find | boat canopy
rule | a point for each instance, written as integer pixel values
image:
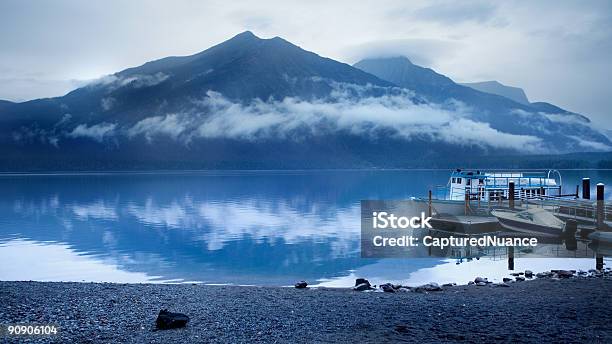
(495, 185)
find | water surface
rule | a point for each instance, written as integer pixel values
(247, 228)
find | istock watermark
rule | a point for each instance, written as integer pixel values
(385, 220)
(402, 229)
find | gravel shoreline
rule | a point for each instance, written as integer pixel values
(574, 310)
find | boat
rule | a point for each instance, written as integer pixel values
(601, 237)
(535, 221)
(468, 190)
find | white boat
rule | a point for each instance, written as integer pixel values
(486, 189)
(535, 221)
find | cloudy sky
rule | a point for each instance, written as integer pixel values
(558, 51)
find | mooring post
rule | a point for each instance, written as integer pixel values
(571, 227)
(510, 257)
(600, 206)
(599, 262)
(429, 203)
(511, 195)
(586, 188)
(577, 190)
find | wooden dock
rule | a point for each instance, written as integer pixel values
(466, 223)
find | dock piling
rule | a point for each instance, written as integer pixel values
(577, 190)
(586, 188)
(599, 262)
(429, 205)
(571, 227)
(511, 195)
(510, 257)
(600, 206)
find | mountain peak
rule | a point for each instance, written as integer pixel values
(400, 71)
(495, 87)
(245, 35)
(398, 60)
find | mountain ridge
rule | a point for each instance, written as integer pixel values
(266, 103)
(495, 87)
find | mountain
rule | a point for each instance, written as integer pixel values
(253, 103)
(242, 68)
(494, 87)
(518, 95)
(558, 127)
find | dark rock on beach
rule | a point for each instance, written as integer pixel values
(362, 284)
(168, 320)
(359, 281)
(301, 285)
(480, 280)
(564, 273)
(432, 286)
(363, 287)
(387, 288)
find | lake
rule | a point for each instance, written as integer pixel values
(227, 227)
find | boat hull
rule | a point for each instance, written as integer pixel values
(549, 226)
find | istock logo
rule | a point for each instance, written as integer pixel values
(384, 220)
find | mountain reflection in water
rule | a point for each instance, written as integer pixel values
(263, 228)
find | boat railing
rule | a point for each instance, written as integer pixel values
(562, 205)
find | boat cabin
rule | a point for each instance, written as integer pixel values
(494, 186)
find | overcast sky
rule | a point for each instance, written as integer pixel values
(557, 51)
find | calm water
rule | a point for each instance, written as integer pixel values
(262, 228)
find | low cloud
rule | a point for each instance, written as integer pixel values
(97, 132)
(107, 103)
(567, 118)
(294, 118)
(171, 125)
(591, 145)
(116, 81)
(453, 12)
(422, 52)
(349, 109)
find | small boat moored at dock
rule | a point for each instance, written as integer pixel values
(601, 237)
(536, 221)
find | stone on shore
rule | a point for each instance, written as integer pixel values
(169, 320)
(362, 287)
(565, 273)
(432, 286)
(359, 281)
(387, 288)
(301, 285)
(480, 280)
